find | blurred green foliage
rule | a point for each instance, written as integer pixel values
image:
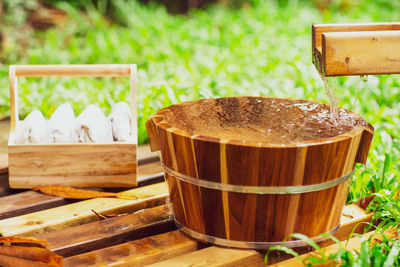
(262, 48)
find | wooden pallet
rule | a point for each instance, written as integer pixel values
(146, 236)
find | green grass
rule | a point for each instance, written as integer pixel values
(260, 49)
(380, 249)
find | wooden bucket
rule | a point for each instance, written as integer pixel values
(252, 194)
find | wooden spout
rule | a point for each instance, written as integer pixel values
(365, 143)
(152, 134)
(356, 49)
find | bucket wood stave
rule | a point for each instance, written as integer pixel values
(253, 195)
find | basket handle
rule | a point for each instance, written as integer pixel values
(16, 71)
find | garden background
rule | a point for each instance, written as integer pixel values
(199, 49)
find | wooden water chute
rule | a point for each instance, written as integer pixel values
(72, 164)
(253, 195)
(356, 49)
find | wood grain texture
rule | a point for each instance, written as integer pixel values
(80, 212)
(137, 253)
(145, 155)
(109, 232)
(149, 172)
(319, 29)
(4, 132)
(72, 70)
(215, 256)
(356, 49)
(8, 261)
(27, 202)
(361, 53)
(80, 165)
(257, 217)
(352, 216)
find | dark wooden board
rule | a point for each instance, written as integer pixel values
(137, 253)
(109, 232)
(27, 202)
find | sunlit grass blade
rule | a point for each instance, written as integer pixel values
(393, 256)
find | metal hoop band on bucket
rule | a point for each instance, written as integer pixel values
(258, 189)
(248, 244)
(253, 190)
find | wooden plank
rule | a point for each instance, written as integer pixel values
(216, 256)
(145, 155)
(80, 212)
(361, 53)
(109, 232)
(137, 253)
(26, 202)
(150, 171)
(318, 29)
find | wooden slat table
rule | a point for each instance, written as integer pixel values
(145, 236)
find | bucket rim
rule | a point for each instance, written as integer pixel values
(159, 121)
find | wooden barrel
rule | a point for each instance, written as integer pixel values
(240, 193)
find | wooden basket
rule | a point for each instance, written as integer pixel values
(253, 195)
(75, 164)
